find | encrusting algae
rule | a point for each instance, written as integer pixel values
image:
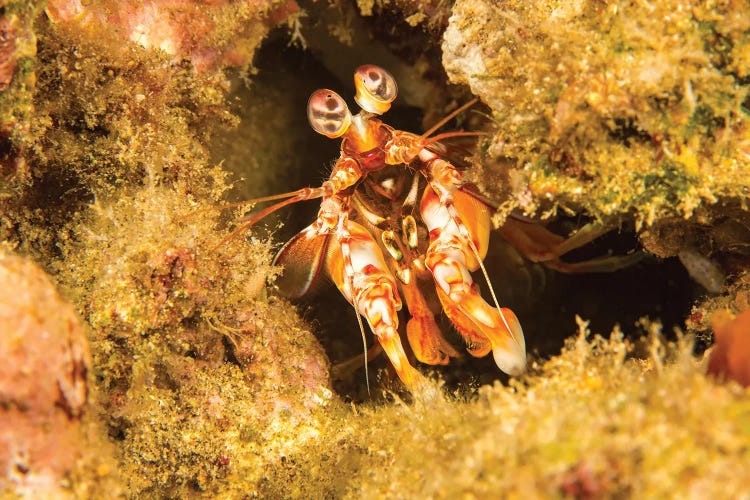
(592, 422)
(201, 383)
(623, 109)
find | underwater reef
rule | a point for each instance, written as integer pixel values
(146, 353)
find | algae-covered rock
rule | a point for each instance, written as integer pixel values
(18, 47)
(622, 110)
(119, 202)
(210, 35)
(593, 422)
(199, 369)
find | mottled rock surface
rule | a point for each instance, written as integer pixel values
(43, 387)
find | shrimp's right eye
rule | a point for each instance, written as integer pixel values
(328, 113)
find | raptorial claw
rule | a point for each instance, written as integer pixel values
(481, 324)
(450, 259)
(356, 265)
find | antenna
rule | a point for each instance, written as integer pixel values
(448, 118)
(347, 257)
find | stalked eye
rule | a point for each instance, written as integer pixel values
(376, 88)
(328, 113)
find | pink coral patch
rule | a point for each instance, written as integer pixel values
(731, 355)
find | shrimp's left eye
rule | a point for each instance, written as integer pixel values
(328, 113)
(376, 88)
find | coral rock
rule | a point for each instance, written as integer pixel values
(43, 388)
(209, 34)
(8, 62)
(589, 114)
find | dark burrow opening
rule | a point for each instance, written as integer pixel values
(274, 150)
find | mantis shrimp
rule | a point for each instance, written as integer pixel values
(398, 223)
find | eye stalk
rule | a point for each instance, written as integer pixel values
(376, 88)
(328, 113)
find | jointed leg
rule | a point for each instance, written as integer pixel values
(455, 250)
(480, 323)
(425, 337)
(356, 264)
(538, 244)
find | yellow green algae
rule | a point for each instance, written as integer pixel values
(735, 300)
(432, 14)
(622, 109)
(18, 78)
(118, 202)
(209, 386)
(592, 422)
(204, 375)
